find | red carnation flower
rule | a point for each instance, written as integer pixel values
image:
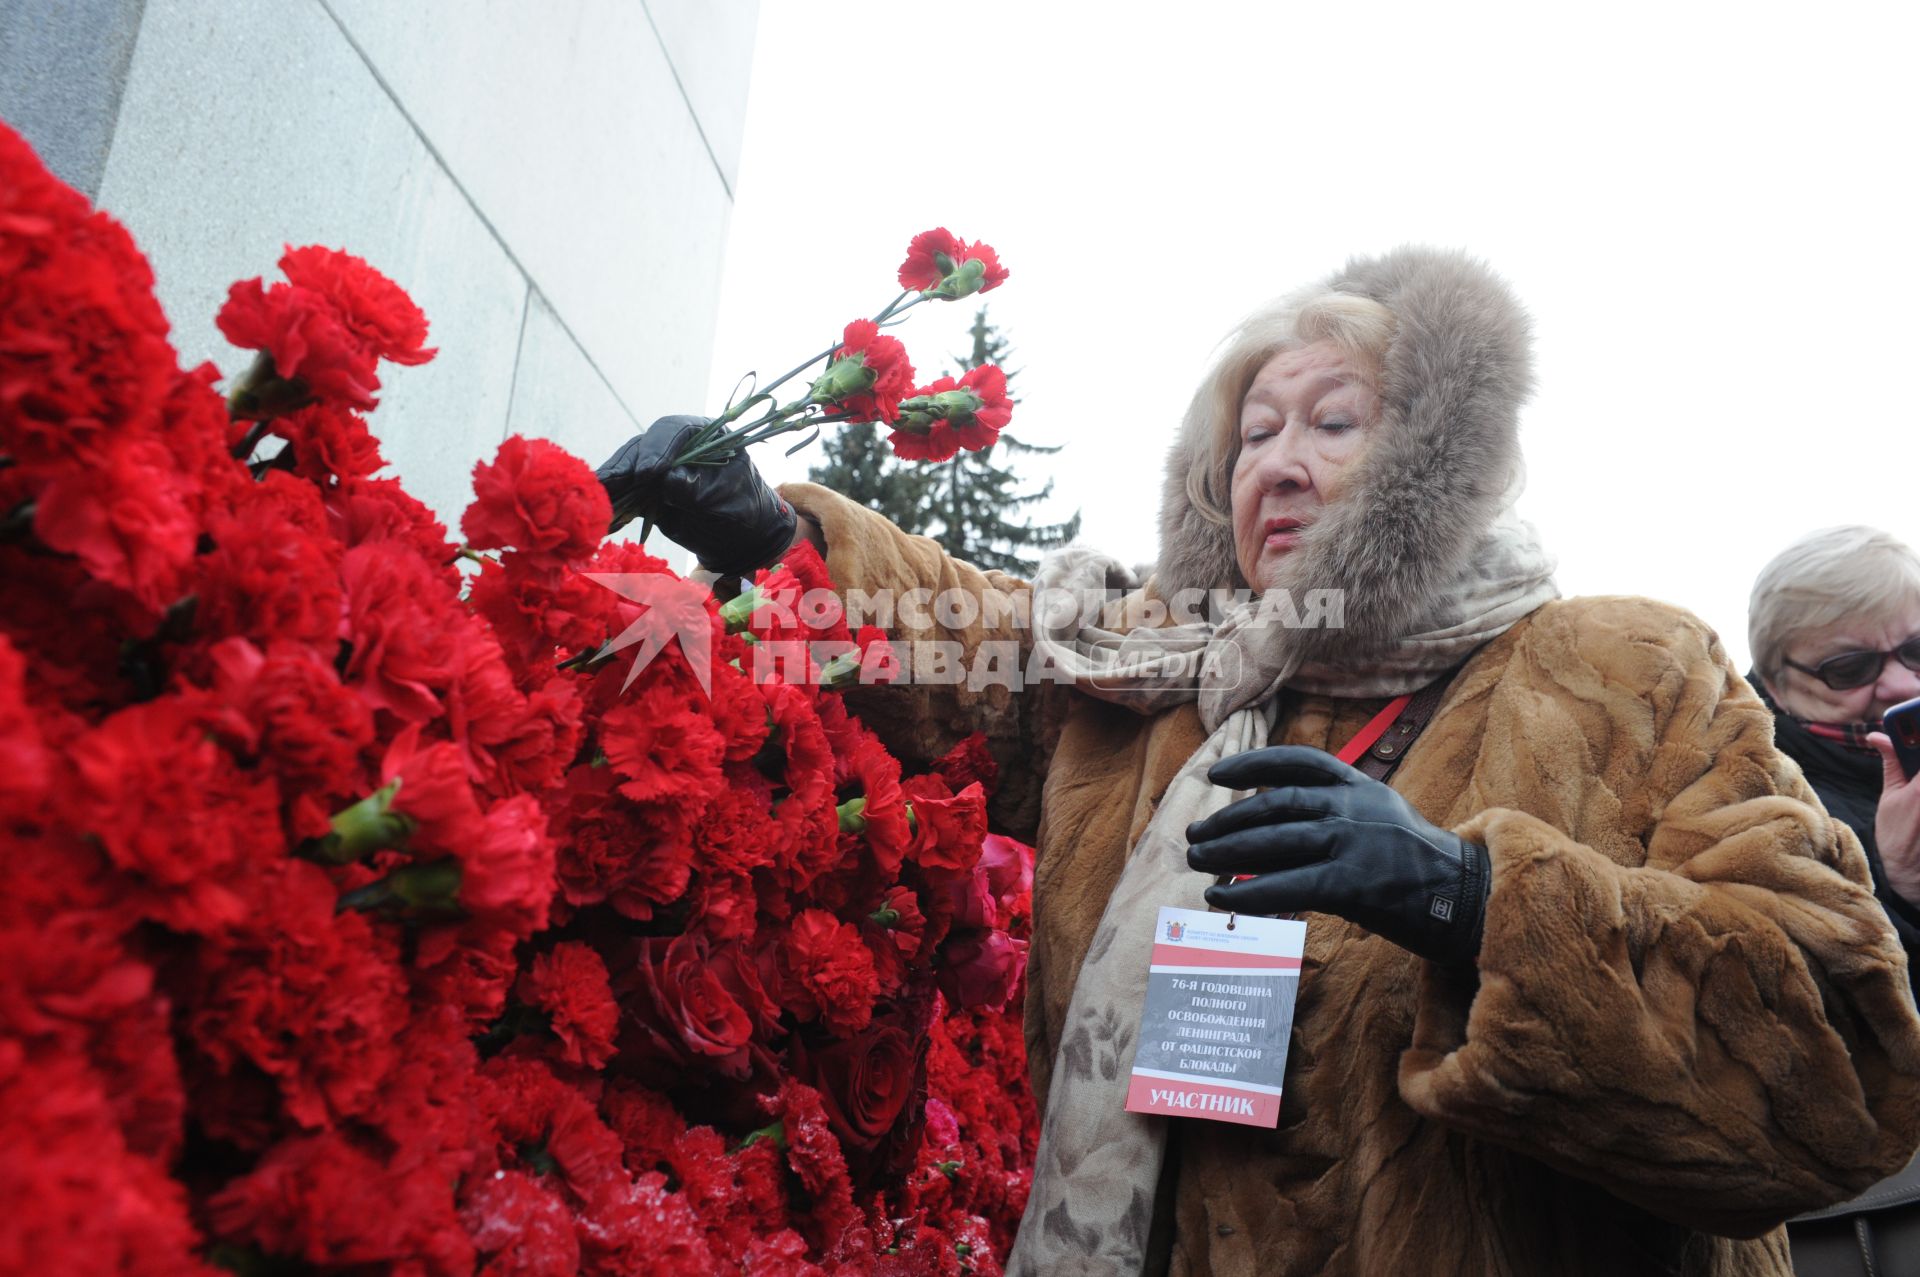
(948, 416)
(570, 984)
(316, 1002)
(632, 856)
(821, 969)
(326, 1201)
(524, 1228)
(83, 344)
(24, 760)
(867, 376)
(374, 308)
(330, 443)
(127, 515)
(173, 809)
(301, 333)
(327, 328)
(968, 761)
(538, 499)
(365, 510)
(948, 827)
(940, 260)
(664, 747)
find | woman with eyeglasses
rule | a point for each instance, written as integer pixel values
(1835, 628)
(1834, 624)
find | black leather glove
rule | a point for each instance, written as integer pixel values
(726, 514)
(1328, 839)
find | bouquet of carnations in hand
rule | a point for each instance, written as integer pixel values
(358, 916)
(869, 378)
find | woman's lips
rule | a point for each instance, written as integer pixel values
(1283, 534)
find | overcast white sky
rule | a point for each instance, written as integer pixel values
(1709, 209)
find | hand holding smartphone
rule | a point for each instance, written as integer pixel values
(1902, 723)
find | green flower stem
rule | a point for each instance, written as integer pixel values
(367, 826)
(775, 1131)
(424, 889)
(853, 816)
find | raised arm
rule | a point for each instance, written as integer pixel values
(964, 641)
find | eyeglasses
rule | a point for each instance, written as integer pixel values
(1845, 672)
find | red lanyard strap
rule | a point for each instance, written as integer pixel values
(1376, 728)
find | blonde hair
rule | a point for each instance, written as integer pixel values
(1359, 327)
(1849, 573)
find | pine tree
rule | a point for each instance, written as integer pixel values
(972, 499)
(862, 467)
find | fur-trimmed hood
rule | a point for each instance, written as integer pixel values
(1443, 467)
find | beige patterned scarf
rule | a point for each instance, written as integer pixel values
(1099, 1166)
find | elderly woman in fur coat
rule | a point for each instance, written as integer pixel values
(1664, 1010)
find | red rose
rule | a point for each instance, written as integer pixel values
(680, 1007)
(982, 968)
(570, 984)
(1007, 864)
(863, 1082)
(540, 500)
(867, 376)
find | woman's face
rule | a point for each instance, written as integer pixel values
(1805, 696)
(1306, 420)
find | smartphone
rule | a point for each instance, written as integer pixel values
(1903, 724)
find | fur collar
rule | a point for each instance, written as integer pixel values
(1444, 465)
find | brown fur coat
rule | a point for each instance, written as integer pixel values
(1691, 1019)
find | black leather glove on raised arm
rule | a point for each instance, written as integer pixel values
(1330, 840)
(726, 514)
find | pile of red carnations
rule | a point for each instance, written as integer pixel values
(360, 916)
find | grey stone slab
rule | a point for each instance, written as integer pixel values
(564, 125)
(63, 65)
(246, 127)
(710, 44)
(559, 395)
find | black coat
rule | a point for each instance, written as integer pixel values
(1848, 783)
